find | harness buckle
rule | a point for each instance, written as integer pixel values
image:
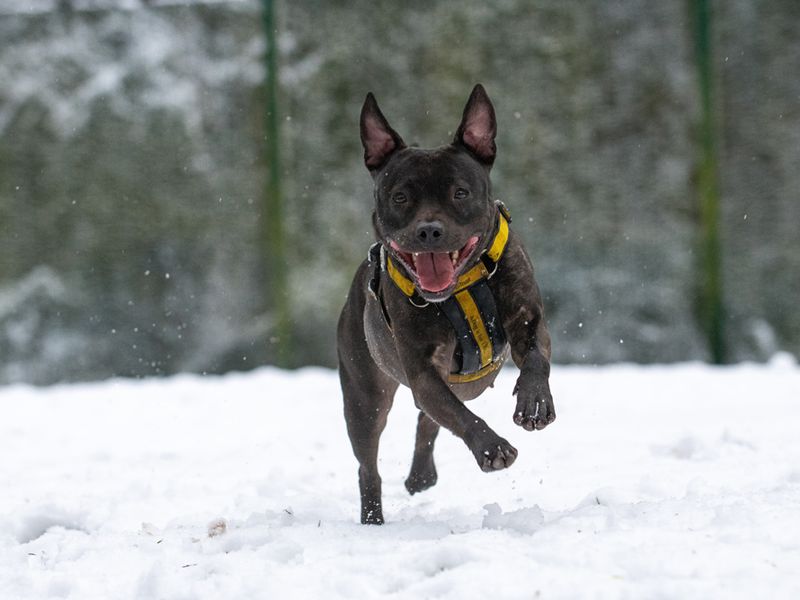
(501, 206)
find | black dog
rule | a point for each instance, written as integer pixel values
(444, 293)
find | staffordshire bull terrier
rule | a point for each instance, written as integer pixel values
(445, 295)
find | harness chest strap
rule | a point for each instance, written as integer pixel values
(481, 345)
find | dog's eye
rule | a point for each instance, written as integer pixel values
(399, 197)
(461, 194)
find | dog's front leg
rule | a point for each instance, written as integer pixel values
(530, 349)
(434, 398)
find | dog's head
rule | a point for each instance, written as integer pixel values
(433, 208)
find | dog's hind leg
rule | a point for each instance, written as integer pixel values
(423, 469)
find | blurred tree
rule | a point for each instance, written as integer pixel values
(273, 219)
(711, 310)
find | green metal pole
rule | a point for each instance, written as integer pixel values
(710, 257)
(272, 217)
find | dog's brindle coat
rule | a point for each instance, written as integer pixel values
(434, 201)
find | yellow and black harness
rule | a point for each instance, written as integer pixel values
(471, 309)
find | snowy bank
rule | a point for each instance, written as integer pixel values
(668, 482)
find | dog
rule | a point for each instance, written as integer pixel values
(445, 295)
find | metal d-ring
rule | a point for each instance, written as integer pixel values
(411, 299)
(494, 269)
(489, 276)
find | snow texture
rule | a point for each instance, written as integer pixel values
(654, 482)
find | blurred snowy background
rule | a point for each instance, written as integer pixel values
(169, 202)
(135, 172)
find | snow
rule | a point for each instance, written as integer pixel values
(654, 482)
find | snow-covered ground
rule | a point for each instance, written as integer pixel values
(654, 482)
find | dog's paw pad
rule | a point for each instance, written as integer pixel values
(534, 414)
(501, 456)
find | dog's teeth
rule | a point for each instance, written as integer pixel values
(414, 256)
(454, 256)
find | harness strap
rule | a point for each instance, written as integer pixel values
(375, 260)
(481, 339)
(495, 251)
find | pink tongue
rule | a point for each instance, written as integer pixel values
(435, 270)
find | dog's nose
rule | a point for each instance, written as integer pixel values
(430, 231)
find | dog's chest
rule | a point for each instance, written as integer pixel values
(381, 341)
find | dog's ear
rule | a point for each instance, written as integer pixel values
(377, 136)
(478, 126)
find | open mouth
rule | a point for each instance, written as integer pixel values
(436, 271)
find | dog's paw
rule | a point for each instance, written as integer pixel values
(419, 481)
(499, 455)
(371, 516)
(534, 410)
